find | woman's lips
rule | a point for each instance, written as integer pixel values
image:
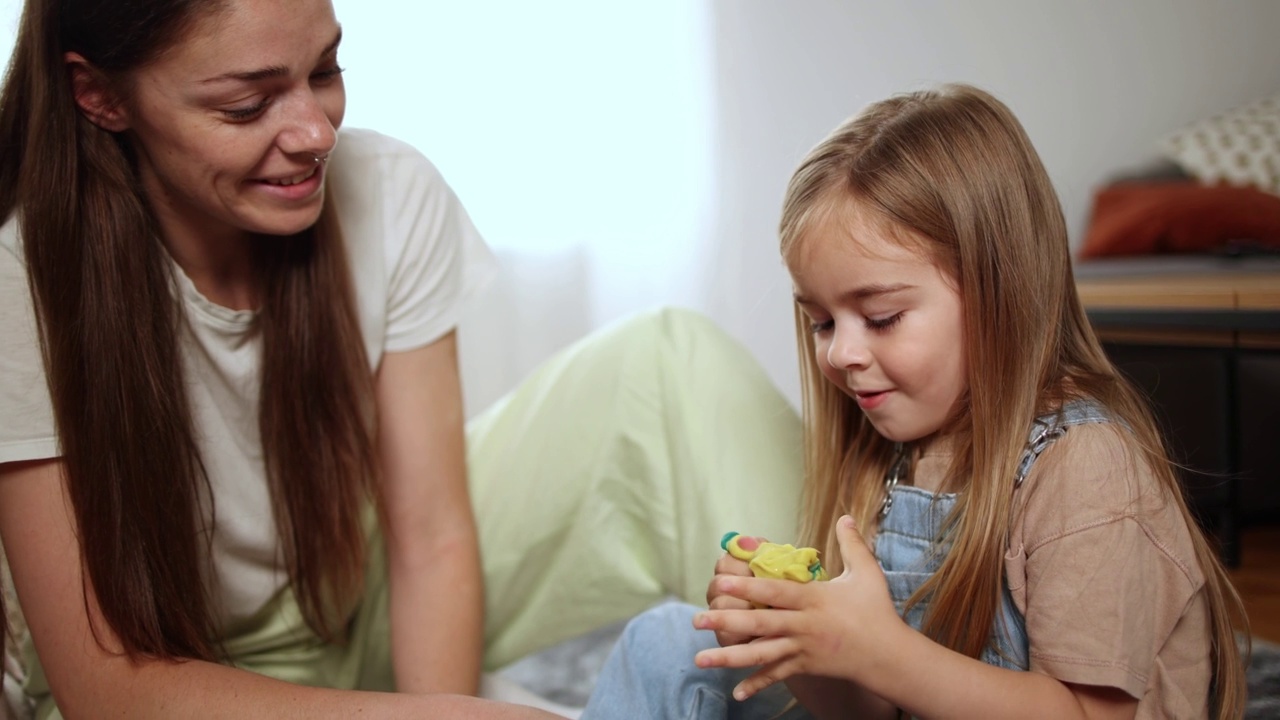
(295, 187)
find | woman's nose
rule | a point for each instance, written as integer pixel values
(309, 130)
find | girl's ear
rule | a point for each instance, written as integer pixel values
(94, 95)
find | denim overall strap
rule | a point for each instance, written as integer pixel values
(910, 550)
(1048, 428)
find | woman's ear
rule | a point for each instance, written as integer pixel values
(94, 95)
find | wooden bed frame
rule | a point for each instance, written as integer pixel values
(1203, 340)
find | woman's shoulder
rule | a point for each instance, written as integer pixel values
(13, 275)
(362, 150)
(9, 237)
(380, 183)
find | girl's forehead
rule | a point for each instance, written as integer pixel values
(854, 228)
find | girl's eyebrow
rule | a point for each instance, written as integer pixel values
(274, 70)
(863, 292)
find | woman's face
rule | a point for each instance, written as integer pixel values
(227, 124)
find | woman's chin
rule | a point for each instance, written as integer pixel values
(286, 225)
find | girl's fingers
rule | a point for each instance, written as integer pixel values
(728, 602)
(766, 676)
(853, 549)
(730, 565)
(786, 594)
(758, 652)
(765, 622)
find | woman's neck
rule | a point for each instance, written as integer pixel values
(222, 272)
(216, 256)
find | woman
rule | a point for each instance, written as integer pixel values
(233, 477)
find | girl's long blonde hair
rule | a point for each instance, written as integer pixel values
(954, 167)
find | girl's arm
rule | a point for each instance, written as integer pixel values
(831, 698)
(433, 557)
(39, 535)
(848, 628)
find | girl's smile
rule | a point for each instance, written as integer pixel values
(871, 400)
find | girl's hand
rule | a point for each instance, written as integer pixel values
(833, 629)
(729, 566)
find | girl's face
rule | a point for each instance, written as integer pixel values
(228, 122)
(887, 323)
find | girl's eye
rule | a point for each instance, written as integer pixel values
(883, 323)
(247, 113)
(818, 327)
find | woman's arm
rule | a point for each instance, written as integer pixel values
(848, 628)
(38, 530)
(433, 557)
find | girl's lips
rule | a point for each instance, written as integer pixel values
(871, 400)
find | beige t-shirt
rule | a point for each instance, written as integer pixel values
(414, 256)
(1101, 565)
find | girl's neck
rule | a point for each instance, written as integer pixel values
(930, 462)
(933, 445)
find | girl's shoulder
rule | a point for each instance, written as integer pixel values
(1099, 459)
(1094, 474)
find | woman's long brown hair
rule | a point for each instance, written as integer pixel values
(953, 172)
(111, 323)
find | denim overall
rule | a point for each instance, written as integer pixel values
(650, 673)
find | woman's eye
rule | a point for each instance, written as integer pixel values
(247, 113)
(883, 323)
(327, 74)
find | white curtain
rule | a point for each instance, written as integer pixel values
(576, 133)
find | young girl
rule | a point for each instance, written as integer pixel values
(234, 480)
(993, 497)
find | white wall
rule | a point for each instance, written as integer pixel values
(1095, 82)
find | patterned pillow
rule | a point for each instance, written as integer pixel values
(1238, 147)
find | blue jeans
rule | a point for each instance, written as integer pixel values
(650, 674)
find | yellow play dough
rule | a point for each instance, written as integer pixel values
(778, 561)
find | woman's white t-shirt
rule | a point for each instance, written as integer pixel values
(414, 256)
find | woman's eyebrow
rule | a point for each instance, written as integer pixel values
(332, 47)
(274, 70)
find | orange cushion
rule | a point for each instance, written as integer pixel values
(1177, 217)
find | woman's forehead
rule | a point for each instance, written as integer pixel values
(239, 37)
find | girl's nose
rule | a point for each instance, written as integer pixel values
(848, 348)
